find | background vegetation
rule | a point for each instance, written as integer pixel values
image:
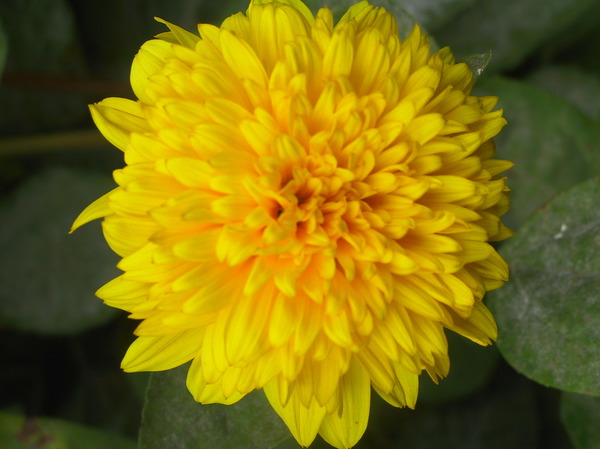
(60, 383)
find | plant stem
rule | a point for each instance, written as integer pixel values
(44, 143)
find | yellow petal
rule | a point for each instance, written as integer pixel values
(303, 422)
(273, 25)
(148, 61)
(182, 36)
(425, 127)
(207, 393)
(298, 5)
(123, 293)
(479, 327)
(242, 58)
(356, 12)
(97, 209)
(126, 235)
(162, 353)
(117, 118)
(246, 327)
(338, 59)
(346, 426)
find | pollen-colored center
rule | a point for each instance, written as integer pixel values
(315, 196)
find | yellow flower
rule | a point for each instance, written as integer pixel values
(304, 208)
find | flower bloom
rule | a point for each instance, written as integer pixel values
(304, 208)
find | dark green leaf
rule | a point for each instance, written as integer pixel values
(580, 88)
(551, 143)
(434, 13)
(471, 367)
(581, 415)
(139, 383)
(43, 56)
(114, 30)
(49, 277)
(172, 419)
(42, 36)
(549, 313)
(577, 44)
(505, 418)
(511, 29)
(19, 432)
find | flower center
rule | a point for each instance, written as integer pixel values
(312, 202)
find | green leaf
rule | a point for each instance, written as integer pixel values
(578, 87)
(549, 313)
(139, 383)
(511, 29)
(49, 277)
(500, 419)
(20, 432)
(552, 144)
(578, 43)
(434, 13)
(172, 418)
(581, 414)
(114, 30)
(470, 370)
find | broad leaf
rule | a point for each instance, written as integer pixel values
(434, 13)
(549, 313)
(20, 432)
(552, 144)
(114, 30)
(580, 88)
(511, 29)
(49, 277)
(578, 44)
(172, 419)
(580, 415)
(501, 419)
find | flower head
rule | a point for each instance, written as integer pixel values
(304, 208)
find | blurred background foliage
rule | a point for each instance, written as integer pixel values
(60, 382)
